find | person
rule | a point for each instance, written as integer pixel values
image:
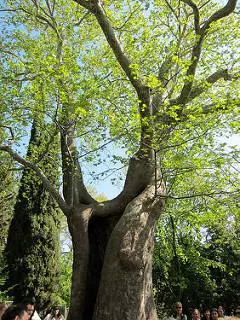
(16, 312)
(237, 312)
(55, 314)
(214, 314)
(196, 314)
(178, 315)
(221, 312)
(3, 308)
(32, 312)
(206, 315)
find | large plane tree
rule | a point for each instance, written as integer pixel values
(157, 79)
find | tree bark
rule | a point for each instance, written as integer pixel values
(125, 290)
(78, 226)
(99, 231)
(112, 267)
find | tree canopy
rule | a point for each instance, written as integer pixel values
(157, 80)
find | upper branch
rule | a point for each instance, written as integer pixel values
(213, 78)
(74, 190)
(96, 8)
(196, 15)
(191, 71)
(221, 13)
(197, 48)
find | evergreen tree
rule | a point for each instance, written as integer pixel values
(8, 192)
(32, 250)
(7, 197)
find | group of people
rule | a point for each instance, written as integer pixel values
(27, 311)
(213, 314)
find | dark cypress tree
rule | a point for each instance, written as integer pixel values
(8, 190)
(32, 251)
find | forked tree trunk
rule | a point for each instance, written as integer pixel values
(90, 238)
(112, 270)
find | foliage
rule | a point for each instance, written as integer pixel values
(8, 192)
(160, 82)
(64, 279)
(32, 250)
(197, 245)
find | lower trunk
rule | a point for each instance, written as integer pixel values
(125, 290)
(78, 226)
(90, 238)
(99, 230)
(112, 275)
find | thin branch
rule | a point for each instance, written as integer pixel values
(49, 7)
(11, 53)
(126, 21)
(77, 24)
(197, 48)
(220, 74)
(222, 105)
(172, 10)
(196, 14)
(203, 5)
(112, 40)
(201, 194)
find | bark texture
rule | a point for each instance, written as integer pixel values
(125, 290)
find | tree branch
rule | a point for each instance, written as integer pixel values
(196, 15)
(197, 48)
(221, 13)
(187, 87)
(83, 3)
(171, 8)
(54, 193)
(145, 109)
(202, 194)
(220, 74)
(96, 8)
(224, 106)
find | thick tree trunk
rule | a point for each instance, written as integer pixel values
(112, 268)
(78, 226)
(125, 290)
(90, 238)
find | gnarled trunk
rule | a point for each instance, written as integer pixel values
(125, 290)
(90, 237)
(112, 271)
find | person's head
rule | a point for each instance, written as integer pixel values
(214, 314)
(196, 314)
(16, 312)
(206, 314)
(30, 306)
(178, 308)
(55, 311)
(237, 313)
(220, 312)
(3, 308)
